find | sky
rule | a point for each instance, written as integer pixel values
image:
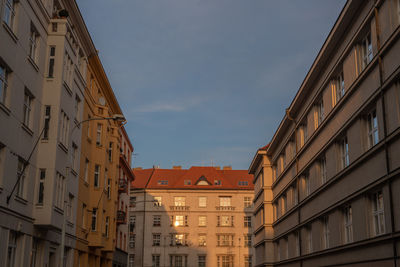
(206, 82)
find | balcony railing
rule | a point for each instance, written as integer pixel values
(225, 208)
(179, 208)
(122, 185)
(121, 217)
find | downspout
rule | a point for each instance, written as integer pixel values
(382, 96)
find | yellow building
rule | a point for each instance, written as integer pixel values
(98, 193)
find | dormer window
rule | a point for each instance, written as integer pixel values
(162, 182)
(243, 183)
(188, 182)
(217, 182)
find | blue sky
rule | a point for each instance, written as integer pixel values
(206, 82)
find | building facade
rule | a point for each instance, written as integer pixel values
(200, 216)
(326, 186)
(125, 174)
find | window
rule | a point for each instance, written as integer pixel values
(378, 214)
(3, 84)
(74, 156)
(344, 152)
(60, 188)
(372, 127)
(202, 202)
(308, 240)
(94, 220)
(178, 261)
(132, 202)
(338, 89)
(98, 134)
(132, 222)
(110, 150)
(178, 239)
(52, 59)
(322, 169)
(202, 220)
(247, 240)
(131, 260)
(201, 261)
(155, 260)
(306, 184)
(28, 101)
(247, 221)
(348, 224)
(132, 238)
(202, 240)
(162, 182)
(42, 176)
(96, 182)
(86, 177)
(243, 183)
(180, 220)
(247, 202)
(9, 13)
(281, 163)
(69, 215)
(64, 128)
(366, 52)
(11, 248)
(217, 182)
(34, 251)
(46, 122)
(225, 201)
(225, 240)
(297, 242)
(156, 220)
(83, 215)
(303, 134)
(77, 108)
(283, 203)
(225, 261)
(33, 44)
(325, 232)
(248, 261)
(107, 226)
(319, 114)
(225, 220)
(157, 201)
(179, 201)
(187, 182)
(156, 240)
(21, 174)
(109, 188)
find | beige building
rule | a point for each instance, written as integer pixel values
(326, 187)
(200, 216)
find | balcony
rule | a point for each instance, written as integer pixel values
(225, 208)
(122, 185)
(121, 217)
(179, 208)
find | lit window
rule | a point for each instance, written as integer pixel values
(28, 100)
(225, 201)
(202, 220)
(3, 84)
(178, 239)
(372, 125)
(202, 240)
(179, 201)
(179, 220)
(157, 201)
(202, 202)
(378, 213)
(348, 224)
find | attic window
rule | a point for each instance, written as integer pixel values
(188, 182)
(162, 182)
(243, 183)
(217, 182)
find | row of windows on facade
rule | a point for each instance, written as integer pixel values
(202, 182)
(182, 220)
(337, 86)
(376, 223)
(181, 239)
(224, 201)
(176, 260)
(16, 244)
(290, 198)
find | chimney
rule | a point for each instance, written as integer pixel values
(227, 168)
(176, 167)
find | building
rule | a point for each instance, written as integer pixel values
(326, 185)
(125, 173)
(200, 216)
(43, 51)
(99, 161)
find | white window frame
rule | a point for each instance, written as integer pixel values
(202, 202)
(247, 202)
(366, 52)
(348, 224)
(155, 260)
(157, 201)
(225, 201)
(11, 248)
(9, 13)
(21, 172)
(378, 213)
(344, 152)
(247, 240)
(96, 176)
(180, 201)
(322, 169)
(202, 220)
(3, 84)
(28, 102)
(157, 220)
(33, 44)
(156, 240)
(372, 128)
(99, 131)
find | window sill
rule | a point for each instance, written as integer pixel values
(33, 63)
(21, 200)
(62, 146)
(10, 32)
(5, 109)
(44, 140)
(66, 86)
(26, 128)
(39, 205)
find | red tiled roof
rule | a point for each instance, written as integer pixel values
(178, 178)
